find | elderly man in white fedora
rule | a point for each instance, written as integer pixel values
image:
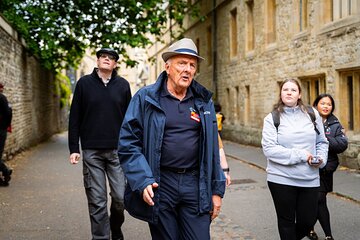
(169, 151)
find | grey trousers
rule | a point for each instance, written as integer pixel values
(99, 165)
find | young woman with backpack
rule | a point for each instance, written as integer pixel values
(292, 174)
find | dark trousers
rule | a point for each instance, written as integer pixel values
(3, 168)
(179, 204)
(324, 214)
(296, 209)
(97, 166)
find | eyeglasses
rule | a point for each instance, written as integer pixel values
(104, 55)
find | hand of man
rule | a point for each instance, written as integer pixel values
(74, 158)
(148, 193)
(228, 178)
(216, 206)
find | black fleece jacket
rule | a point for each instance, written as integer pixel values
(338, 142)
(97, 112)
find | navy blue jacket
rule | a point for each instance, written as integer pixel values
(338, 142)
(140, 144)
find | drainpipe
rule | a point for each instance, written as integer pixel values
(214, 49)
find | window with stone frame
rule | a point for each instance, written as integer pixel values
(246, 118)
(270, 21)
(229, 111)
(233, 34)
(209, 45)
(250, 31)
(334, 10)
(343, 8)
(301, 12)
(237, 105)
(160, 67)
(197, 43)
(348, 109)
(312, 86)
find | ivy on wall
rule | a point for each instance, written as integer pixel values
(63, 89)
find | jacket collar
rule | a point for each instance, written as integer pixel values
(95, 74)
(331, 119)
(292, 109)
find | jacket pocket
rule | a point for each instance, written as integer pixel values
(137, 207)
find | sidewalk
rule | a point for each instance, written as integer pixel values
(46, 199)
(346, 181)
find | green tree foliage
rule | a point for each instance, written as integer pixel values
(63, 89)
(58, 32)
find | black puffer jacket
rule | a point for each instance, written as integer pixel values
(338, 142)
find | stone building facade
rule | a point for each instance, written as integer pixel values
(30, 89)
(250, 46)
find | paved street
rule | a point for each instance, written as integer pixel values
(46, 199)
(249, 208)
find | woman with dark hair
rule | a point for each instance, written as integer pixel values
(338, 143)
(292, 175)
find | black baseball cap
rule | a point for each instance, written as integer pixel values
(108, 51)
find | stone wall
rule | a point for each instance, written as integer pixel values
(30, 89)
(322, 49)
(248, 84)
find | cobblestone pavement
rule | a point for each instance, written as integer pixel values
(224, 228)
(246, 182)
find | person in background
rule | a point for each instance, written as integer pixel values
(169, 150)
(338, 143)
(223, 162)
(292, 173)
(97, 111)
(5, 123)
(220, 117)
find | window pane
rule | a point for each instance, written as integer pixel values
(350, 102)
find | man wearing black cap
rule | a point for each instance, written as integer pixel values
(97, 111)
(169, 151)
(5, 121)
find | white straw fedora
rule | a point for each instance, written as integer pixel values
(184, 46)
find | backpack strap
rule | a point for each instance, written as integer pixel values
(276, 118)
(312, 115)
